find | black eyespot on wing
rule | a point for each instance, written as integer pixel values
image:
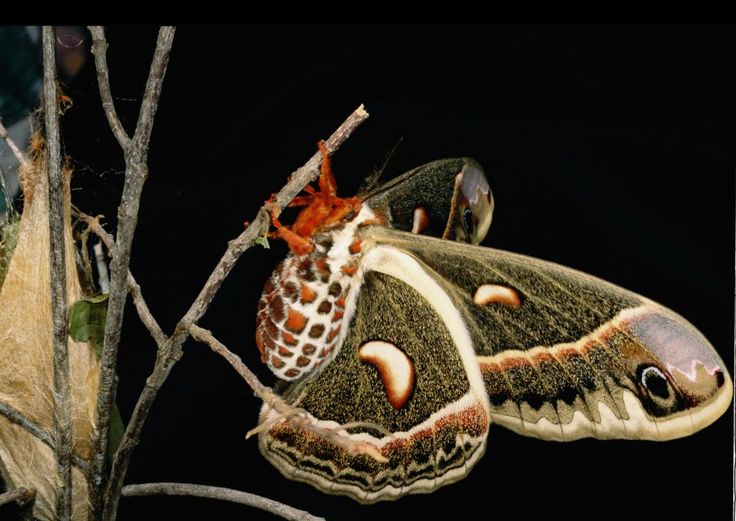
(655, 382)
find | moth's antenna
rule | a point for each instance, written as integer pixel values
(373, 179)
(389, 156)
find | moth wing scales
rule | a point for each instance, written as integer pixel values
(610, 329)
(417, 468)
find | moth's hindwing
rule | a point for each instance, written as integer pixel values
(439, 429)
(487, 336)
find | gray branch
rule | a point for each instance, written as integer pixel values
(172, 351)
(19, 155)
(29, 425)
(296, 416)
(136, 171)
(93, 224)
(17, 417)
(99, 50)
(62, 391)
(206, 337)
(223, 494)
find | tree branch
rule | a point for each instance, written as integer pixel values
(223, 494)
(99, 50)
(62, 391)
(206, 337)
(93, 224)
(136, 171)
(156, 74)
(296, 416)
(19, 155)
(17, 417)
(39, 432)
(172, 351)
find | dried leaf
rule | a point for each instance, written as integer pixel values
(26, 357)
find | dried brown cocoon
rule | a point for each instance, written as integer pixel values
(26, 353)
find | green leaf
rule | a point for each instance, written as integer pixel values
(87, 321)
(263, 241)
(87, 324)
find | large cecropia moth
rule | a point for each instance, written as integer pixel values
(386, 313)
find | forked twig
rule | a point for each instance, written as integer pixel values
(172, 350)
(135, 151)
(94, 226)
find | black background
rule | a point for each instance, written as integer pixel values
(609, 149)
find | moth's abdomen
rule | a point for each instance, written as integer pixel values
(301, 310)
(299, 316)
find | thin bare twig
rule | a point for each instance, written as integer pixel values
(223, 494)
(297, 417)
(144, 313)
(168, 356)
(39, 432)
(62, 390)
(17, 417)
(19, 155)
(136, 171)
(206, 337)
(93, 224)
(99, 50)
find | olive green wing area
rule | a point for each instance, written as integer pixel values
(351, 390)
(536, 303)
(441, 191)
(437, 427)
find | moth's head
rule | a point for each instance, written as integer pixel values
(678, 377)
(473, 204)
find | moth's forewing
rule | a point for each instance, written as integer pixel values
(574, 356)
(451, 198)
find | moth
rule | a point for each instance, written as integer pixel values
(387, 318)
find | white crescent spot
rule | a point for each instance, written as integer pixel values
(490, 293)
(394, 366)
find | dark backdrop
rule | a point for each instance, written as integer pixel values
(609, 149)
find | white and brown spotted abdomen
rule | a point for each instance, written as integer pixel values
(303, 302)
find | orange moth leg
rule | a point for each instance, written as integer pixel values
(298, 244)
(327, 183)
